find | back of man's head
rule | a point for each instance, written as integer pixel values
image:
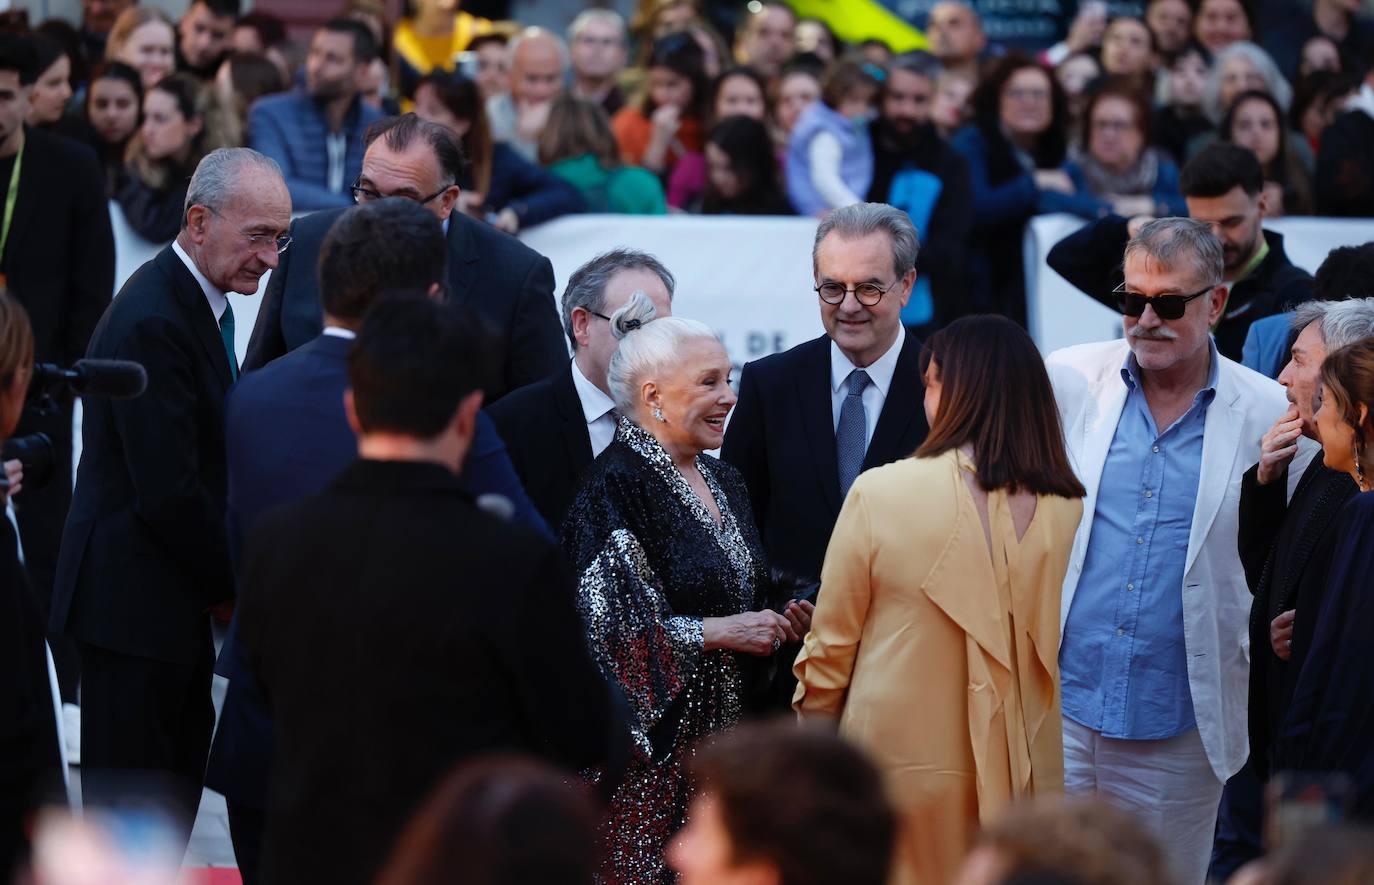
(364, 42)
(414, 362)
(392, 244)
(1218, 168)
(17, 54)
(1346, 272)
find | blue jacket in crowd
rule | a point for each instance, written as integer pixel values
(291, 129)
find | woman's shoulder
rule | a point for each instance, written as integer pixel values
(907, 477)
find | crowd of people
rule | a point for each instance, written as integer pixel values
(485, 597)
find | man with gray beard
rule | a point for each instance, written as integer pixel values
(1155, 606)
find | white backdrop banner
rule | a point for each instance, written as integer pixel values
(750, 278)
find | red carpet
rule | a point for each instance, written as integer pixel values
(214, 876)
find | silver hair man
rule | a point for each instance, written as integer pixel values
(587, 285)
(861, 219)
(1169, 241)
(217, 173)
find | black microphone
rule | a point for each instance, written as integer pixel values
(116, 379)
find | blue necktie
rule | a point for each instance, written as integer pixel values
(849, 436)
(226, 333)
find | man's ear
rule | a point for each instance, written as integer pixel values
(351, 413)
(465, 416)
(197, 217)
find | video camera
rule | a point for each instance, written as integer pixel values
(116, 379)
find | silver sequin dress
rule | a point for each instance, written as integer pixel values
(651, 563)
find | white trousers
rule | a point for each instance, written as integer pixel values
(1169, 785)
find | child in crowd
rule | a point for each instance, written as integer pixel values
(829, 156)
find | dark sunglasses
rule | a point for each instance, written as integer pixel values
(1166, 307)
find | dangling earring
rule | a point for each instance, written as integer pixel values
(1359, 473)
(658, 413)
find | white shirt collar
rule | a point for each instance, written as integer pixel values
(339, 332)
(212, 293)
(595, 402)
(880, 373)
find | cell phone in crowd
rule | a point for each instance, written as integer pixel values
(1297, 802)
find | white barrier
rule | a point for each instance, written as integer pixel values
(1061, 315)
(750, 278)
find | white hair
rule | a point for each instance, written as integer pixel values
(647, 346)
(1275, 84)
(218, 173)
(597, 14)
(1342, 322)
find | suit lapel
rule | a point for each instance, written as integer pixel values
(1220, 447)
(198, 313)
(904, 398)
(572, 421)
(813, 391)
(462, 258)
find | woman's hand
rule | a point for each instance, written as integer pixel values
(667, 119)
(799, 613)
(14, 475)
(1281, 635)
(1054, 180)
(753, 633)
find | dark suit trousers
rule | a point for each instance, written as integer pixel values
(246, 825)
(145, 729)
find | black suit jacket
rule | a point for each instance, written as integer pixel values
(451, 634)
(508, 285)
(1090, 258)
(1284, 548)
(545, 431)
(59, 259)
(144, 550)
(782, 439)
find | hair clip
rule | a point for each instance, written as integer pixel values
(631, 325)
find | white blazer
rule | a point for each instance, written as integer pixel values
(1216, 600)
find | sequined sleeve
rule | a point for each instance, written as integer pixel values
(633, 633)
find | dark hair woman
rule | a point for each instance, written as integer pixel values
(114, 108)
(502, 186)
(1328, 727)
(931, 591)
(499, 820)
(1118, 169)
(736, 92)
(1015, 150)
(578, 146)
(1255, 121)
(668, 121)
(181, 124)
(52, 89)
(742, 171)
(243, 78)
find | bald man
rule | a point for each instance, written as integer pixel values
(538, 68)
(956, 37)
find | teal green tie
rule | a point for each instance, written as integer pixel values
(226, 332)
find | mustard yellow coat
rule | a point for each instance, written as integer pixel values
(940, 658)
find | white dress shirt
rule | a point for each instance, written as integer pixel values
(339, 332)
(875, 394)
(597, 408)
(213, 294)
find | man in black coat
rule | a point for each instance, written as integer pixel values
(789, 432)
(452, 633)
(1285, 545)
(555, 427)
(1344, 183)
(144, 553)
(507, 284)
(1223, 186)
(58, 260)
(916, 171)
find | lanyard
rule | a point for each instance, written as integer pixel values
(9, 201)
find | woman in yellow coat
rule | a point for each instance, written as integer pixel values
(935, 641)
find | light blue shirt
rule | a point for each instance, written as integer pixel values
(1123, 661)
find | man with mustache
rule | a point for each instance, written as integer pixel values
(1155, 604)
(916, 171)
(1223, 186)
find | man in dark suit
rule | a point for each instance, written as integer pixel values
(452, 633)
(810, 419)
(555, 427)
(1285, 545)
(287, 436)
(144, 552)
(58, 260)
(507, 284)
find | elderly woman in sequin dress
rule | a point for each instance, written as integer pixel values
(673, 584)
